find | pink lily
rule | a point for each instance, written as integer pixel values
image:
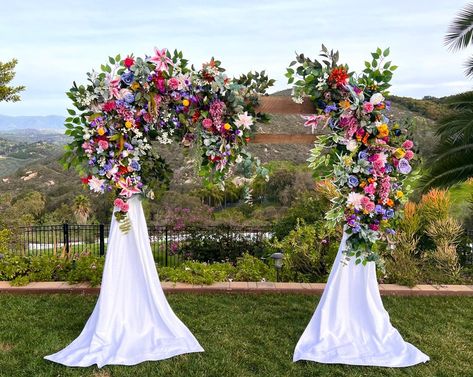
(113, 87)
(127, 188)
(161, 59)
(313, 121)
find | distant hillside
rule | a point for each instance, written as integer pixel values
(49, 122)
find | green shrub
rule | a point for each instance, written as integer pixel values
(197, 273)
(249, 268)
(86, 269)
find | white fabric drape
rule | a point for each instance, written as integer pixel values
(350, 324)
(132, 320)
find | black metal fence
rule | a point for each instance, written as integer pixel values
(169, 245)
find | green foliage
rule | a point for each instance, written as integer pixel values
(309, 207)
(7, 74)
(308, 252)
(86, 269)
(218, 245)
(249, 268)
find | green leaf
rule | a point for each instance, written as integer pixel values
(375, 55)
(386, 52)
(111, 60)
(393, 68)
(71, 112)
(367, 65)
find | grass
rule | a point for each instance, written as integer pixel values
(243, 335)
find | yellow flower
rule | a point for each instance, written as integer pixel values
(348, 161)
(185, 102)
(399, 194)
(227, 126)
(101, 131)
(399, 153)
(134, 86)
(383, 130)
(344, 104)
(128, 124)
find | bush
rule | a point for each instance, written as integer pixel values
(249, 268)
(308, 252)
(218, 244)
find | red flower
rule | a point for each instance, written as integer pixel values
(85, 180)
(338, 76)
(109, 106)
(122, 169)
(129, 61)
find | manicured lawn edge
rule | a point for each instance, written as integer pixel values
(243, 287)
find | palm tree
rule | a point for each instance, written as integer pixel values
(460, 34)
(453, 157)
(81, 207)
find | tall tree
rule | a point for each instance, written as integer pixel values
(7, 74)
(452, 161)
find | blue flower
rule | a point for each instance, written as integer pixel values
(135, 165)
(379, 209)
(352, 181)
(389, 213)
(330, 108)
(356, 229)
(128, 77)
(362, 155)
(129, 98)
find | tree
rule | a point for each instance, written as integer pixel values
(452, 160)
(9, 93)
(81, 208)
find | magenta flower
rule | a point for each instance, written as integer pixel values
(368, 107)
(408, 144)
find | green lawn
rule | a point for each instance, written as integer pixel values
(243, 335)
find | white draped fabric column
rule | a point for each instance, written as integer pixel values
(132, 320)
(350, 324)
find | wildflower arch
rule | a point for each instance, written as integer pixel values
(132, 102)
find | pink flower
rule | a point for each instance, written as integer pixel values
(367, 204)
(103, 144)
(127, 188)
(125, 207)
(173, 83)
(408, 144)
(160, 59)
(113, 88)
(118, 202)
(368, 107)
(370, 189)
(207, 123)
(374, 227)
(409, 155)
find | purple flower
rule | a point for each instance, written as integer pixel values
(330, 108)
(128, 77)
(356, 228)
(379, 209)
(135, 165)
(390, 231)
(363, 155)
(388, 168)
(389, 213)
(403, 167)
(352, 181)
(129, 98)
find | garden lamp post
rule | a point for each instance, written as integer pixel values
(278, 258)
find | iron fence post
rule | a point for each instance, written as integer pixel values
(65, 229)
(166, 247)
(102, 239)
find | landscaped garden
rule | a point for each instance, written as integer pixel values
(243, 336)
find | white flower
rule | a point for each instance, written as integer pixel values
(376, 99)
(239, 159)
(352, 145)
(354, 199)
(298, 100)
(244, 121)
(96, 185)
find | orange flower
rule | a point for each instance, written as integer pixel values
(363, 184)
(371, 180)
(344, 104)
(365, 138)
(390, 203)
(383, 130)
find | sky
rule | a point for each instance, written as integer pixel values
(57, 41)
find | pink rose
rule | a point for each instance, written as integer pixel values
(103, 144)
(173, 83)
(409, 155)
(367, 204)
(207, 123)
(370, 189)
(125, 207)
(408, 144)
(118, 203)
(368, 107)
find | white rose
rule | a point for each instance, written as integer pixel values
(352, 145)
(376, 99)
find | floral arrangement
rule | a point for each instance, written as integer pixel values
(135, 102)
(364, 155)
